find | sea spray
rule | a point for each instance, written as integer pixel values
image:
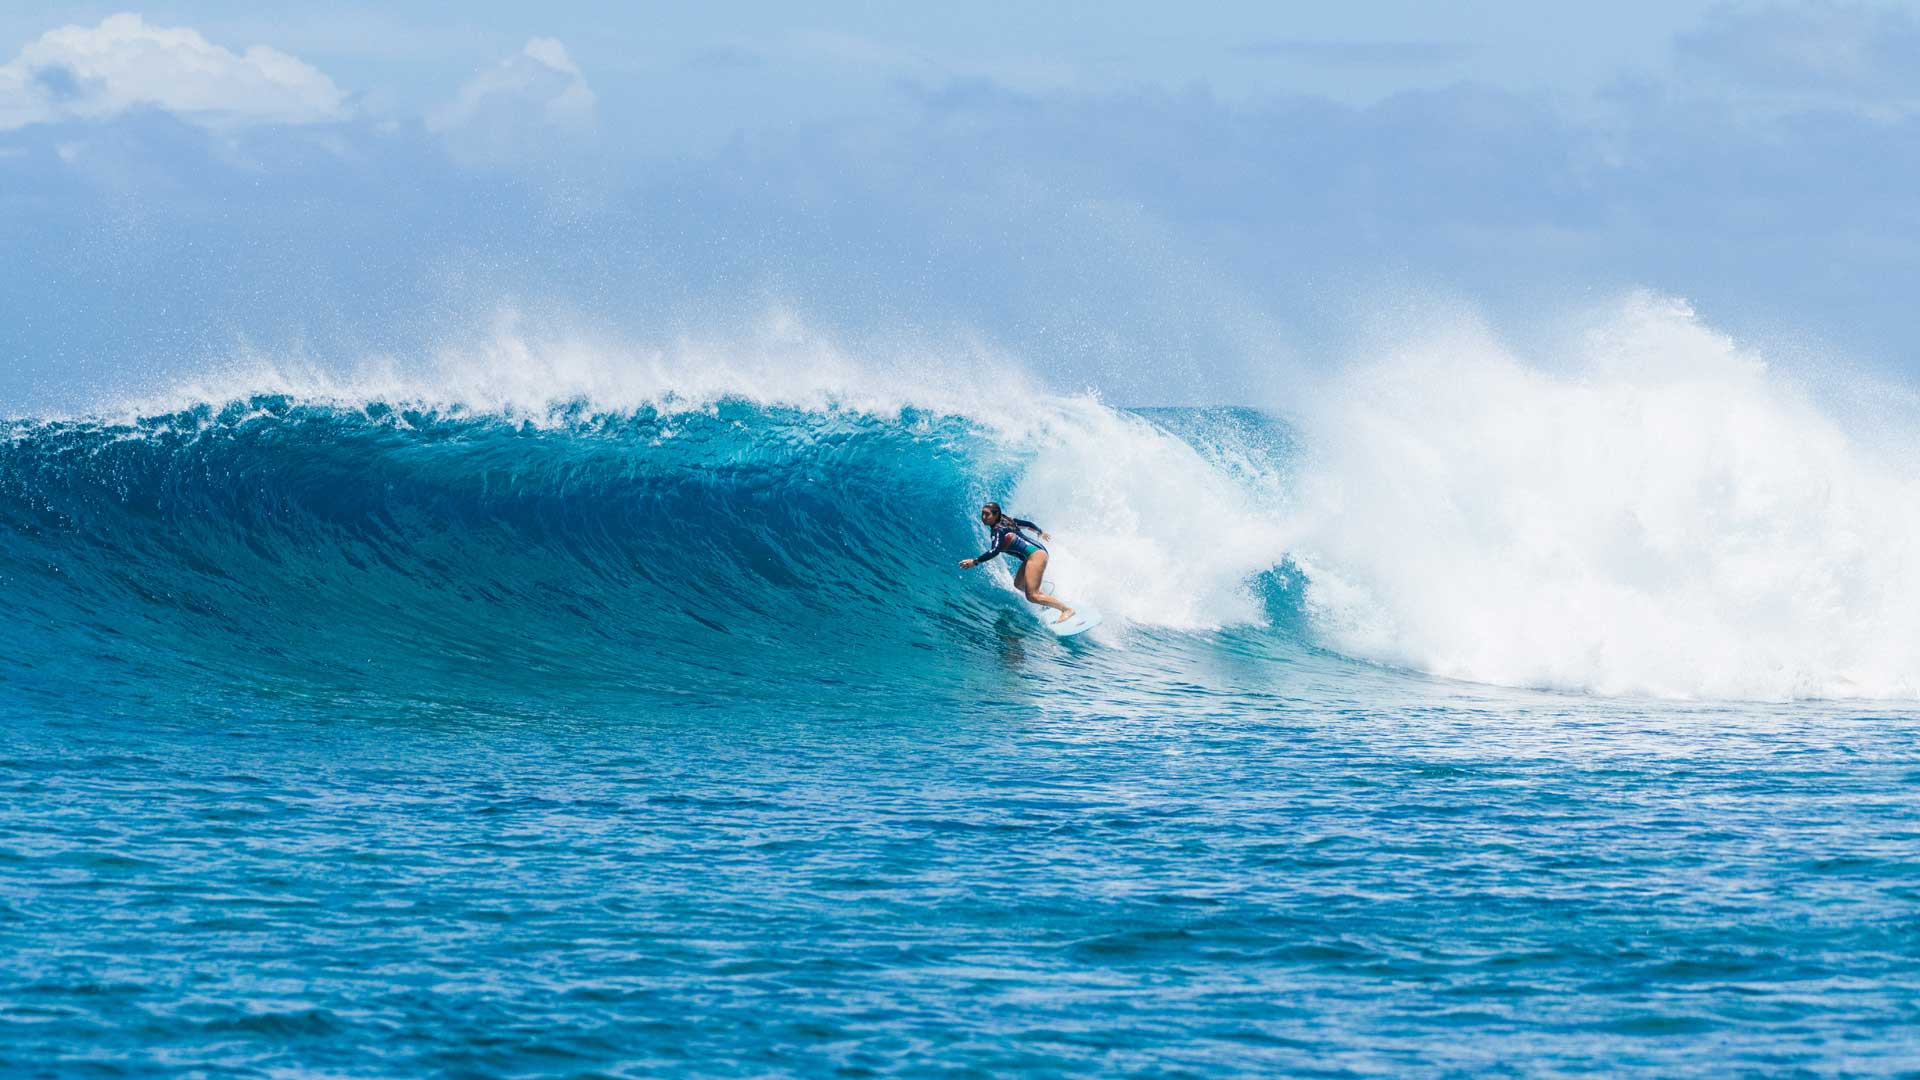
(1662, 514)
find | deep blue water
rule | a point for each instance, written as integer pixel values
(360, 742)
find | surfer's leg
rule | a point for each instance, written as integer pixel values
(1032, 573)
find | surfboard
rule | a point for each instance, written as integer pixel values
(1083, 620)
(1085, 616)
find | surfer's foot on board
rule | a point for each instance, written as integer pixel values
(1064, 616)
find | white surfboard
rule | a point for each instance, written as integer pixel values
(1064, 587)
(1083, 619)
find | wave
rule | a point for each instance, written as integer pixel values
(690, 550)
(1655, 512)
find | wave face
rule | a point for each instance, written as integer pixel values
(702, 554)
(1659, 513)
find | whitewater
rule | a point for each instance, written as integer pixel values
(559, 706)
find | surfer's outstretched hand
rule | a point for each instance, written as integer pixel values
(966, 564)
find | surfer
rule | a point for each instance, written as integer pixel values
(1009, 540)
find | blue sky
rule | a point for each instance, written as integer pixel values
(1156, 200)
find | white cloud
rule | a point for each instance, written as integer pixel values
(522, 102)
(78, 72)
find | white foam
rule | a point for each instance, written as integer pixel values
(1667, 516)
(1145, 527)
(543, 373)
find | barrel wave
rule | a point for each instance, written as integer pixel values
(738, 548)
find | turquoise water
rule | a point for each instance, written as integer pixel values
(360, 741)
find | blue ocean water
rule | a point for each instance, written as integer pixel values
(375, 739)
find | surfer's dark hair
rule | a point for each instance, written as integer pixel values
(995, 507)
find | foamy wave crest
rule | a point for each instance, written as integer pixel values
(1669, 517)
(545, 372)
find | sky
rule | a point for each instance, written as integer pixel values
(1164, 203)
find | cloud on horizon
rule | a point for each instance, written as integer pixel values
(125, 63)
(521, 104)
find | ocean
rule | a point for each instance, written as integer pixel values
(1478, 720)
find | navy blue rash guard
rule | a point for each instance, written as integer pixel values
(1008, 539)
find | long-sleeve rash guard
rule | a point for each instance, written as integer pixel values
(1009, 540)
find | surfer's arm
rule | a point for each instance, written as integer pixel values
(1044, 535)
(987, 554)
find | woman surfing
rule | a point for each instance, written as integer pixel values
(1009, 540)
